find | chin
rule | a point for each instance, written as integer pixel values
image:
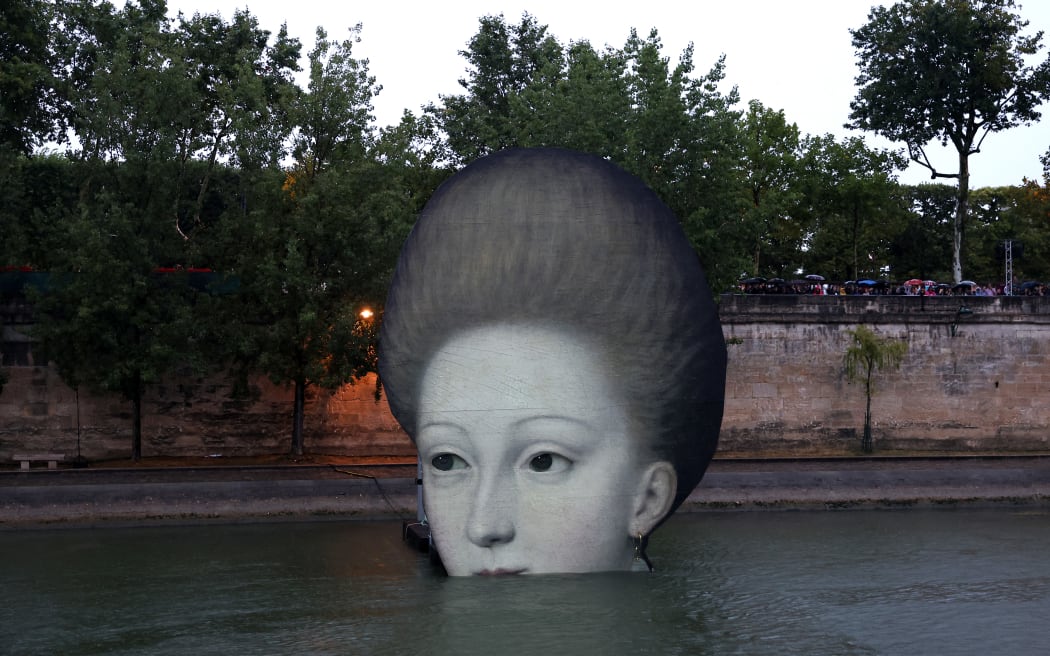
(501, 572)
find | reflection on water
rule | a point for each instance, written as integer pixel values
(864, 582)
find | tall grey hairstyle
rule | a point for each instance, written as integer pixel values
(569, 241)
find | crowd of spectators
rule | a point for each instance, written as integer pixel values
(816, 285)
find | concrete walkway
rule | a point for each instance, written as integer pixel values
(873, 483)
(92, 497)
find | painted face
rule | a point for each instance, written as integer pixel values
(528, 465)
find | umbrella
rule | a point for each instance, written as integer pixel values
(964, 283)
(754, 281)
(914, 281)
(867, 283)
(816, 277)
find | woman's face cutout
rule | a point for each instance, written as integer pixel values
(528, 462)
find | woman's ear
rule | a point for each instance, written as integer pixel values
(656, 494)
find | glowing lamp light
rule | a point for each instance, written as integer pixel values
(365, 314)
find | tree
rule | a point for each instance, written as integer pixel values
(994, 218)
(674, 130)
(321, 253)
(28, 102)
(116, 91)
(707, 192)
(856, 205)
(921, 249)
(771, 173)
(124, 68)
(236, 90)
(333, 118)
(583, 107)
(105, 321)
(325, 236)
(867, 353)
(112, 321)
(504, 60)
(109, 320)
(682, 137)
(1031, 223)
(951, 71)
(1021, 214)
(38, 192)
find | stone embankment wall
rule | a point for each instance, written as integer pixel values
(972, 380)
(191, 418)
(977, 381)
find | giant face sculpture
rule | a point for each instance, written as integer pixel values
(550, 344)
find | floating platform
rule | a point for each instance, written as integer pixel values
(417, 535)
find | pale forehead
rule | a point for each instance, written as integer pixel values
(515, 367)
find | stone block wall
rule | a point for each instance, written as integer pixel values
(192, 417)
(977, 381)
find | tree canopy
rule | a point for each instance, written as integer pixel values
(674, 129)
(282, 185)
(150, 188)
(950, 71)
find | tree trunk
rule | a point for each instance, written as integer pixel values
(298, 414)
(866, 443)
(962, 208)
(856, 257)
(136, 418)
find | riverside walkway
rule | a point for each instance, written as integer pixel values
(363, 489)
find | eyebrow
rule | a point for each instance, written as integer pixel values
(438, 425)
(516, 426)
(523, 423)
(439, 422)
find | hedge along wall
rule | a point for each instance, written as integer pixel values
(976, 380)
(987, 388)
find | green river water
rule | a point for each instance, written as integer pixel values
(973, 581)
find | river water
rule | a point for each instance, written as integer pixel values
(973, 581)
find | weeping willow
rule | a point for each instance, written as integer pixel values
(866, 354)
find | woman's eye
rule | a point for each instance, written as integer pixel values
(549, 462)
(448, 462)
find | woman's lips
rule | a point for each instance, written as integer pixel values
(500, 572)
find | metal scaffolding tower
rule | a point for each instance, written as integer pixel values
(1008, 255)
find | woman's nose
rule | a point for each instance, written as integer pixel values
(492, 514)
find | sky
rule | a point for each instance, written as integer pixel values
(791, 55)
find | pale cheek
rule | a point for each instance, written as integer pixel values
(555, 523)
(563, 507)
(575, 531)
(446, 503)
